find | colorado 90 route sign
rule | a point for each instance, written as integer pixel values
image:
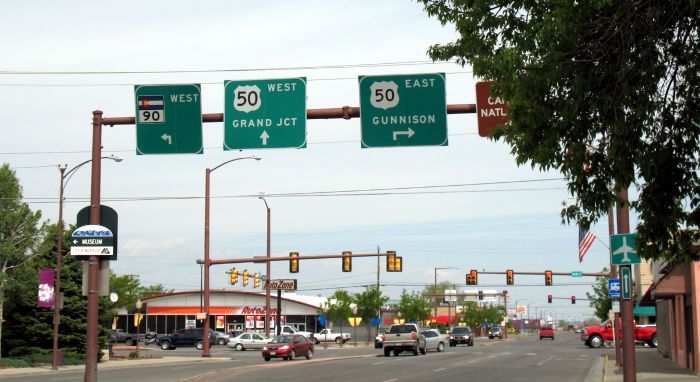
(265, 114)
(168, 119)
(403, 110)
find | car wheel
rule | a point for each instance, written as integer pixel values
(396, 353)
(387, 352)
(222, 341)
(310, 354)
(339, 340)
(415, 350)
(441, 347)
(292, 355)
(129, 342)
(540, 338)
(267, 359)
(596, 342)
(471, 343)
(165, 345)
(199, 345)
(653, 342)
(316, 341)
(239, 347)
(424, 350)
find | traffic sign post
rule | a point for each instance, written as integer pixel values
(168, 119)
(264, 114)
(403, 110)
(623, 250)
(614, 288)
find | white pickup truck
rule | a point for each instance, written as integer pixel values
(327, 335)
(290, 330)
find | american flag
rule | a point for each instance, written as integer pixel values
(585, 240)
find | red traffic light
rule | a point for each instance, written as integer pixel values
(549, 298)
(573, 299)
(548, 278)
(510, 279)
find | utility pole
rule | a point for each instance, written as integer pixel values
(629, 364)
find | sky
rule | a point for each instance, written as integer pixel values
(463, 206)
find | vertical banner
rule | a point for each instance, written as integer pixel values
(249, 322)
(260, 322)
(45, 297)
(219, 322)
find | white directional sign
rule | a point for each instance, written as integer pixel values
(92, 240)
(626, 278)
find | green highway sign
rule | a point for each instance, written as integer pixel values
(576, 274)
(626, 281)
(168, 119)
(262, 114)
(623, 250)
(403, 110)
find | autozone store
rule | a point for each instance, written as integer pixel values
(229, 310)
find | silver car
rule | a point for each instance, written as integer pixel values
(248, 341)
(434, 339)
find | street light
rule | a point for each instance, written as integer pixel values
(435, 288)
(207, 264)
(65, 178)
(267, 272)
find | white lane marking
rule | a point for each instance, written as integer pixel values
(545, 361)
(391, 380)
(530, 354)
(439, 369)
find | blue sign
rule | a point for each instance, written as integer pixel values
(614, 288)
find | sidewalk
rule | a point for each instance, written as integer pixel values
(651, 366)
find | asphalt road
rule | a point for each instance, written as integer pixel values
(519, 359)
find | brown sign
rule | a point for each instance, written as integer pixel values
(491, 111)
(283, 284)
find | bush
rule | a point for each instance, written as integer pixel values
(13, 363)
(134, 355)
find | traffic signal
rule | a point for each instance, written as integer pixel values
(245, 277)
(510, 280)
(481, 295)
(573, 299)
(256, 280)
(391, 261)
(233, 275)
(548, 278)
(347, 261)
(549, 298)
(473, 277)
(398, 264)
(294, 262)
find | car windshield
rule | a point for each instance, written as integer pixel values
(459, 331)
(282, 340)
(397, 329)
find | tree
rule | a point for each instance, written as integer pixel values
(599, 300)
(369, 305)
(474, 316)
(19, 231)
(607, 92)
(337, 307)
(413, 306)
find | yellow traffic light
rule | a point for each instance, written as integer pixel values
(473, 277)
(245, 277)
(256, 280)
(390, 261)
(233, 276)
(347, 261)
(294, 262)
(398, 264)
(548, 278)
(510, 279)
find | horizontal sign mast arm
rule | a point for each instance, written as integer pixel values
(286, 258)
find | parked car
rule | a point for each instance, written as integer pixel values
(288, 347)
(378, 344)
(594, 336)
(461, 335)
(495, 332)
(547, 332)
(247, 341)
(434, 340)
(221, 338)
(330, 335)
(185, 337)
(120, 336)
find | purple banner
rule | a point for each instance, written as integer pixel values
(45, 298)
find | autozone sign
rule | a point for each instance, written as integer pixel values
(282, 284)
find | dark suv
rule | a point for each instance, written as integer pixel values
(185, 337)
(461, 335)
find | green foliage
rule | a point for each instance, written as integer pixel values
(413, 306)
(13, 363)
(369, 303)
(337, 308)
(607, 92)
(134, 355)
(474, 316)
(599, 299)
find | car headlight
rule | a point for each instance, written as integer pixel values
(264, 347)
(285, 347)
(451, 337)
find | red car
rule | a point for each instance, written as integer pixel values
(546, 332)
(288, 347)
